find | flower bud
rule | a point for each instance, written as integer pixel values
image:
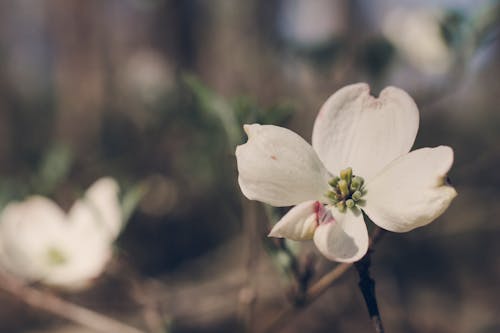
(346, 174)
(349, 203)
(356, 196)
(334, 181)
(332, 196)
(356, 183)
(343, 187)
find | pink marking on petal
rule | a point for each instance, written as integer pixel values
(327, 218)
(323, 215)
(318, 210)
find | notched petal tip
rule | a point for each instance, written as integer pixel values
(395, 92)
(412, 191)
(249, 128)
(357, 129)
(448, 156)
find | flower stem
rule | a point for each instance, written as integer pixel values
(315, 291)
(367, 287)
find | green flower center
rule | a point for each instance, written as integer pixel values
(56, 257)
(347, 190)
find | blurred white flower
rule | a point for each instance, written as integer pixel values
(417, 35)
(355, 135)
(40, 242)
(148, 76)
(311, 24)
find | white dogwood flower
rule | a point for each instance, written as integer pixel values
(359, 162)
(40, 242)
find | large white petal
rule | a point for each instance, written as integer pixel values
(278, 167)
(30, 231)
(412, 191)
(27, 230)
(299, 223)
(344, 238)
(366, 133)
(99, 209)
(86, 258)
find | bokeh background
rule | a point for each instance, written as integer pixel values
(155, 92)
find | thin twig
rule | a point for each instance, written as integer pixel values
(316, 290)
(367, 287)
(51, 303)
(248, 294)
(311, 295)
(144, 291)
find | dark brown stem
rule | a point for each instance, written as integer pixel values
(315, 290)
(367, 287)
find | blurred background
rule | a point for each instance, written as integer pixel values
(155, 93)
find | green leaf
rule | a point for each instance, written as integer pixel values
(131, 199)
(53, 169)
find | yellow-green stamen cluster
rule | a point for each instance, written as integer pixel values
(56, 257)
(346, 191)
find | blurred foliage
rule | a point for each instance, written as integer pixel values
(170, 138)
(54, 167)
(237, 112)
(376, 55)
(454, 28)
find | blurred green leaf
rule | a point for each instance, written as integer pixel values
(54, 168)
(241, 110)
(11, 189)
(249, 112)
(454, 27)
(216, 107)
(131, 199)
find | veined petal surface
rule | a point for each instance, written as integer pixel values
(412, 191)
(355, 129)
(344, 238)
(278, 167)
(86, 259)
(99, 209)
(27, 230)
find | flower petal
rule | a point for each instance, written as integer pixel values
(99, 208)
(27, 230)
(344, 238)
(412, 191)
(86, 260)
(278, 167)
(299, 223)
(355, 129)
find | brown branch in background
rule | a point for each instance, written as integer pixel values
(248, 294)
(144, 292)
(301, 272)
(316, 290)
(46, 301)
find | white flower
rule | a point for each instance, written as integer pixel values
(367, 141)
(40, 242)
(417, 35)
